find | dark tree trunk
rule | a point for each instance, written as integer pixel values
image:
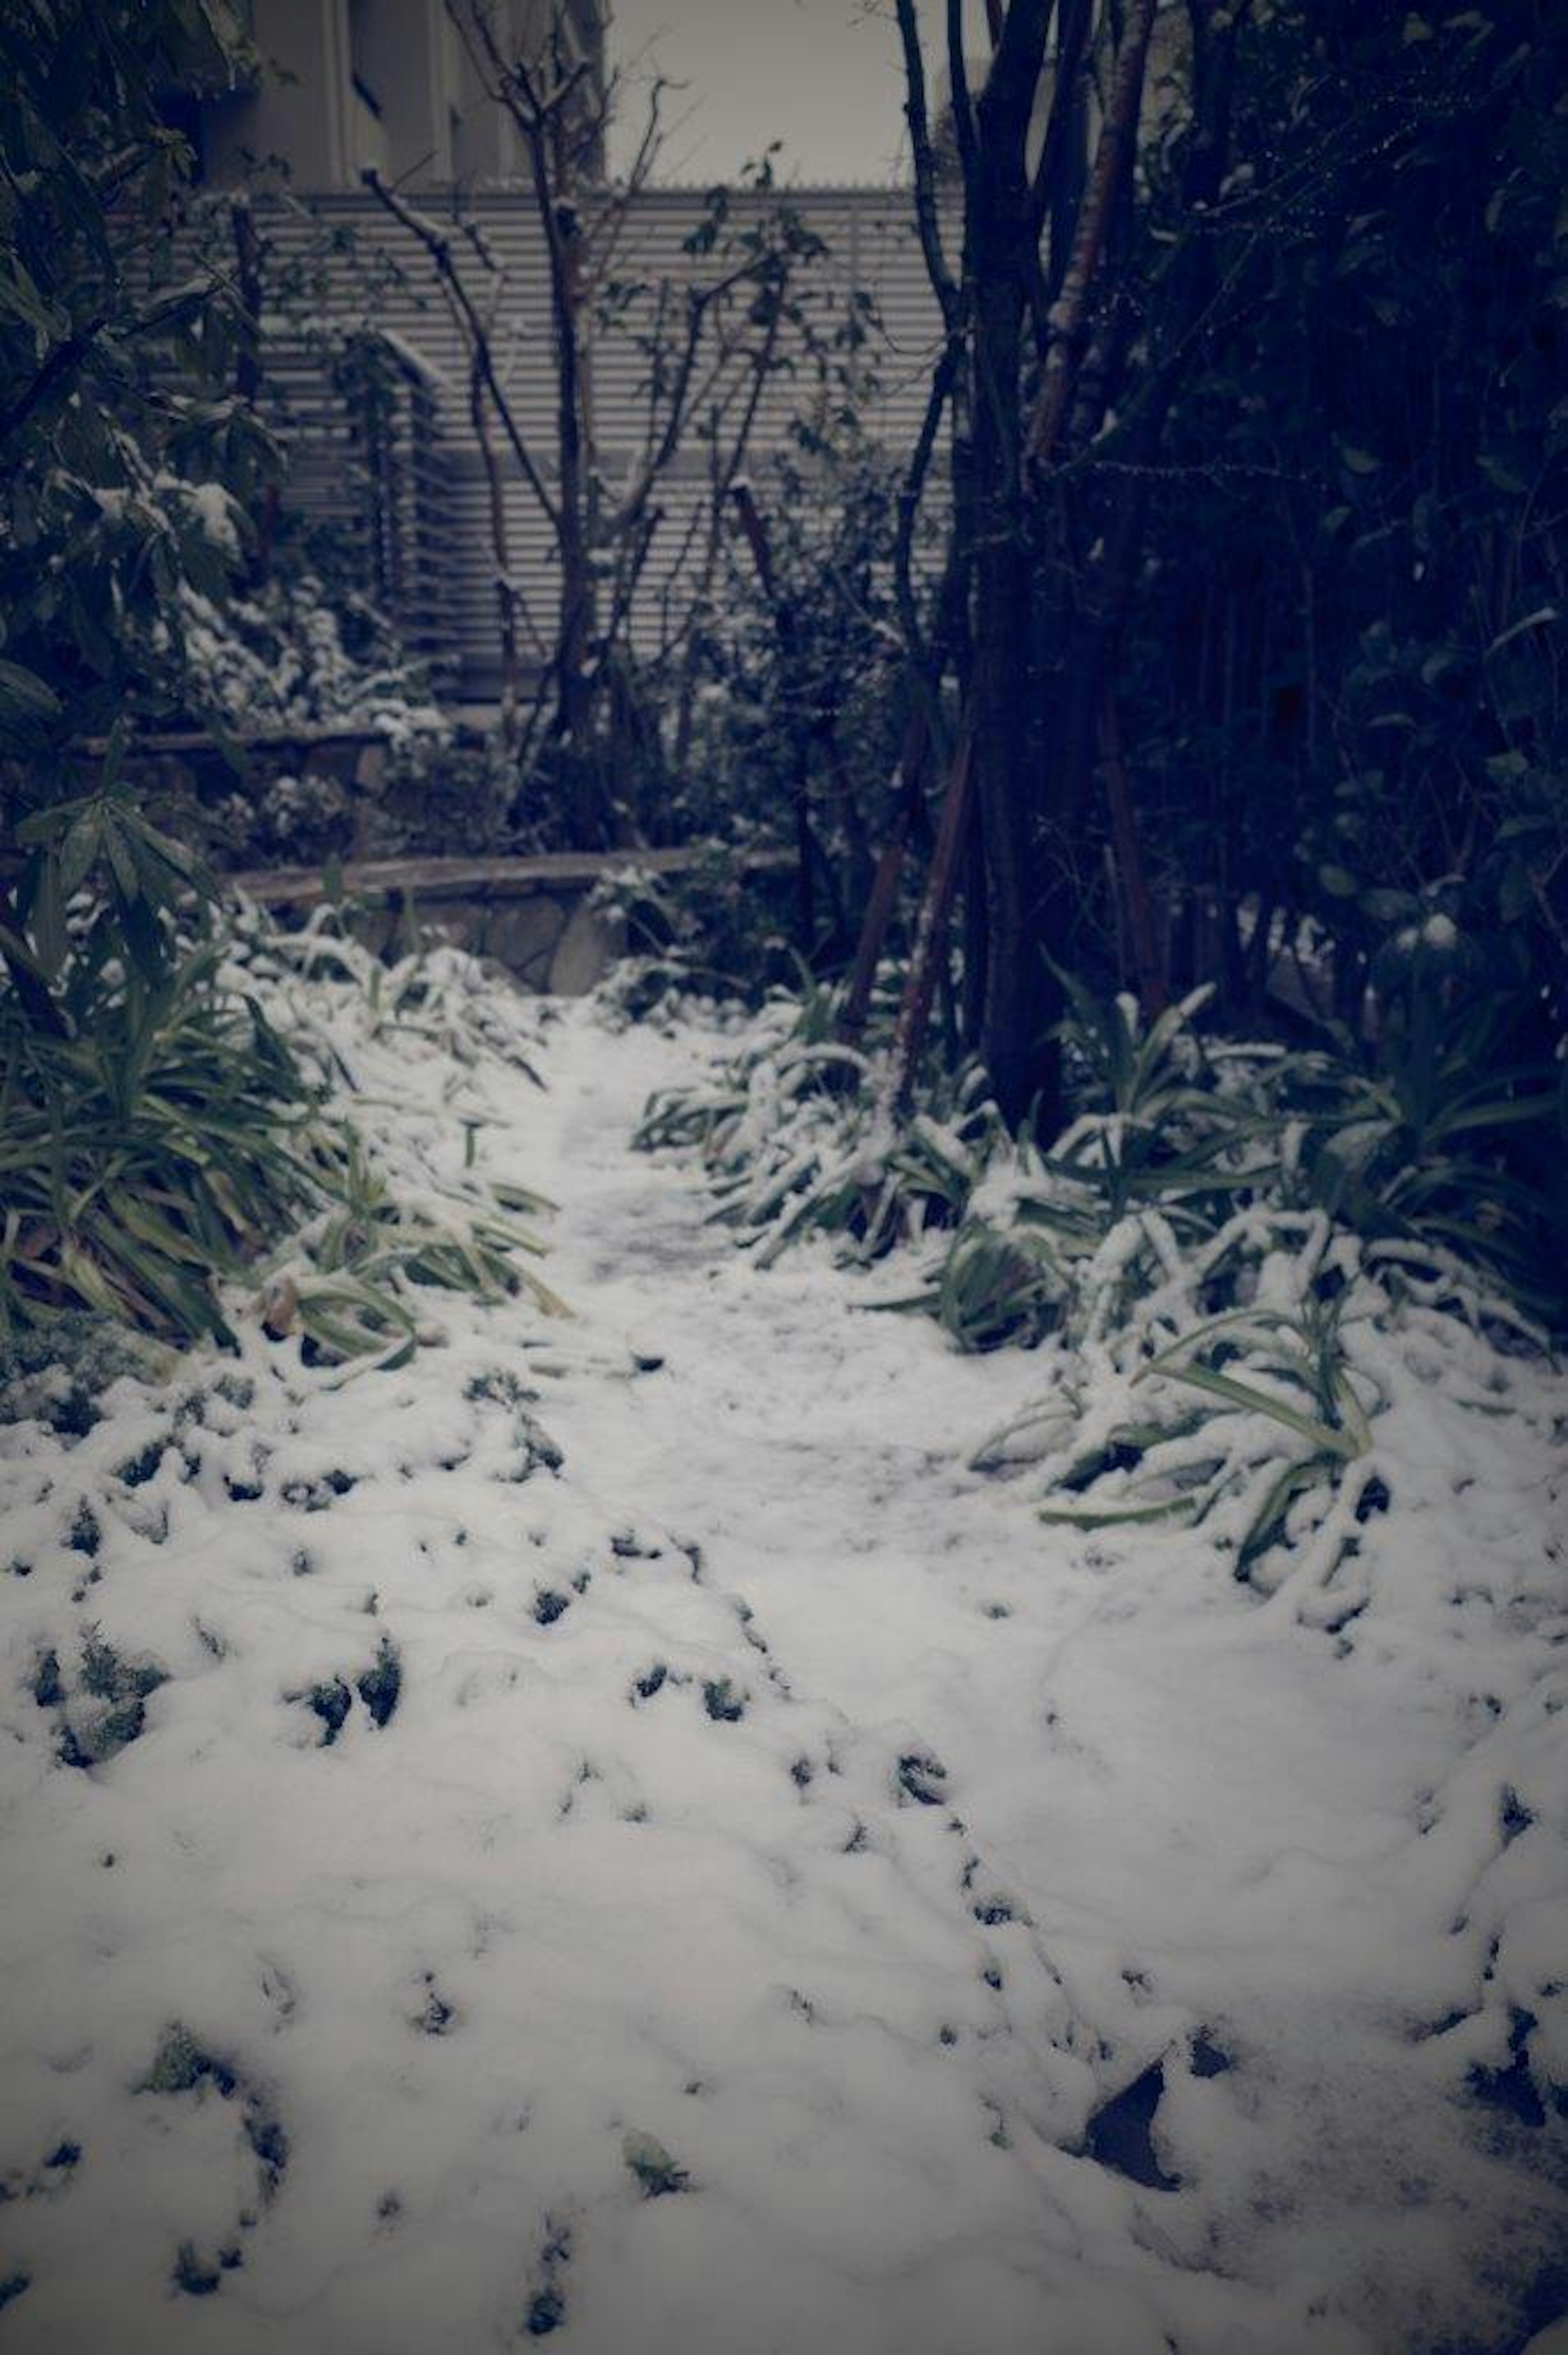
(578, 685)
(1094, 634)
(928, 958)
(1017, 1004)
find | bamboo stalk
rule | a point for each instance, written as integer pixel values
(1069, 313)
(1130, 868)
(884, 891)
(931, 934)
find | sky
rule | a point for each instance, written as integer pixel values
(821, 75)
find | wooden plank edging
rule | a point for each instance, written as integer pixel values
(389, 880)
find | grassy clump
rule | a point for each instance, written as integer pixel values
(798, 1139)
(180, 2064)
(161, 1138)
(655, 2170)
(55, 1373)
(1427, 1147)
(1210, 1248)
(381, 1685)
(101, 1707)
(147, 1152)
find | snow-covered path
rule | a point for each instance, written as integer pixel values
(1219, 1826)
(751, 1887)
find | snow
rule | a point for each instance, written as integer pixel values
(214, 509)
(280, 661)
(779, 1848)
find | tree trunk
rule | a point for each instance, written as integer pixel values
(1132, 880)
(1093, 633)
(501, 554)
(1017, 1005)
(576, 687)
(913, 758)
(930, 954)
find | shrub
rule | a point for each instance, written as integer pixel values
(1202, 1247)
(174, 1138)
(799, 1139)
(149, 1149)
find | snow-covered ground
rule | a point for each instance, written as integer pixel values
(748, 1886)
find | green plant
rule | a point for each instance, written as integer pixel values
(1280, 1425)
(160, 1136)
(1154, 1119)
(350, 1283)
(709, 931)
(785, 1046)
(146, 1141)
(998, 1285)
(1120, 1063)
(128, 461)
(147, 1151)
(798, 1138)
(171, 1139)
(1162, 1145)
(1441, 1135)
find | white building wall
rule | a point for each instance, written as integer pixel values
(299, 110)
(349, 82)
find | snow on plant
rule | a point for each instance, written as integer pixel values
(278, 658)
(394, 1223)
(798, 1139)
(1257, 1423)
(703, 935)
(232, 1126)
(1216, 1337)
(1220, 1354)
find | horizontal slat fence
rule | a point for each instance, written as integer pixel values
(399, 474)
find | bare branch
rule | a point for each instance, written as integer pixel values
(959, 81)
(1072, 39)
(943, 283)
(464, 310)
